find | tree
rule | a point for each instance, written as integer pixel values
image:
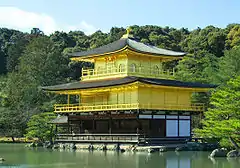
(12, 123)
(229, 65)
(201, 67)
(209, 39)
(37, 32)
(41, 64)
(62, 40)
(98, 39)
(39, 127)
(115, 33)
(82, 41)
(14, 52)
(233, 37)
(8, 37)
(222, 120)
(2, 63)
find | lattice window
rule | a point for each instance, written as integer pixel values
(121, 68)
(133, 67)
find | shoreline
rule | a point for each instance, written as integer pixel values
(17, 140)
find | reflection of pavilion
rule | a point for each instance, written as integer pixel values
(136, 160)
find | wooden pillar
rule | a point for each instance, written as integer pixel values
(93, 126)
(178, 124)
(190, 125)
(79, 100)
(137, 131)
(56, 129)
(68, 128)
(68, 101)
(110, 125)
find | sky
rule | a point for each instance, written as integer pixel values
(92, 15)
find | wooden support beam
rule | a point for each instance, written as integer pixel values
(68, 97)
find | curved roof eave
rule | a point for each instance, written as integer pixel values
(123, 43)
(125, 80)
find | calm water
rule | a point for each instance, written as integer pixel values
(18, 156)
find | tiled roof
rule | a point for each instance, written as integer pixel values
(132, 44)
(125, 80)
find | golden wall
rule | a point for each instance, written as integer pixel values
(141, 95)
(164, 96)
(128, 59)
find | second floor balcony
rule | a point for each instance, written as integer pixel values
(70, 108)
(124, 70)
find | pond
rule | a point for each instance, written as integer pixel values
(17, 155)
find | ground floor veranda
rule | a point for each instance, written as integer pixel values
(127, 126)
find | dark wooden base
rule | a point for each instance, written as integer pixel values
(117, 138)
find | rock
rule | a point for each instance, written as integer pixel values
(209, 146)
(91, 147)
(33, 145)
(133, 148)
(62, 146)
(39, 144)
(163, 149)
(2, 159)
(55, 146)
(233, 153)
(122, 150)
(73, 146)
(151, 150)
(219, 153)
(48, 145)
(116, 147)
(182, 148)
(194, 146)
(27, 146)
(103, 147)
(190, 146)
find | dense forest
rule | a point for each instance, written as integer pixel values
(31, 60)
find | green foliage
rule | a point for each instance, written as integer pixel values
(12, 123)
(41, 64)
(62, 40)
(201, 67)
(3, 68)
(39, 127)
(229, 65)
(233, 37)
(222, 120)
(14, 53)
(210, 39)
(3, 96)
(8, 37)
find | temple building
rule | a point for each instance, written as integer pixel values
(127, 97)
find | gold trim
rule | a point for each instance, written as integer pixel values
(97, 55)
(128, 49)
(128, 86)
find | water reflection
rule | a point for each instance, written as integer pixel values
(26, 158)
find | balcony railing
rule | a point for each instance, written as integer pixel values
(88, 74)
(69, 108)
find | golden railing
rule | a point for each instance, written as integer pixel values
(65, 108)
(117, 72)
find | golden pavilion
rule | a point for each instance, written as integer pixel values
(127, 97)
